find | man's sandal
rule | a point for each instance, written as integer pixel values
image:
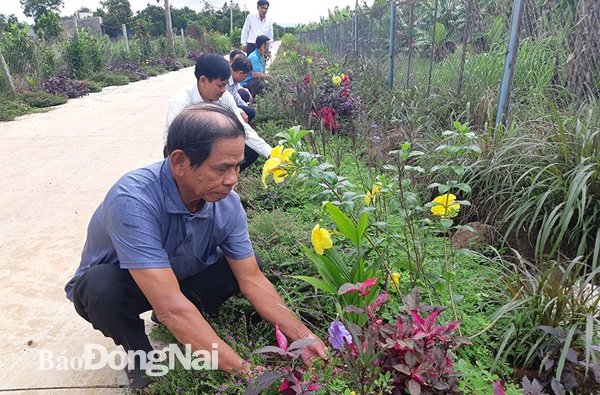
(138, 380)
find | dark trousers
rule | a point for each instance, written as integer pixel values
(244, 94)
(111, 301)
(250, 156)
(256, 86)
(250, 47)
(250, 112)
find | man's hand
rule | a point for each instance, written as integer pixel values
(244, 116)
(316, 349)
(244, 47)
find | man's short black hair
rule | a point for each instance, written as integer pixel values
(260, 40)
(262, 2)
(212, 65)
(198, 127)
(236, 52)
(242, 63)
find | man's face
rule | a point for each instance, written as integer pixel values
(262, 11)
(211, 90)
(239, 76)
(214, 179)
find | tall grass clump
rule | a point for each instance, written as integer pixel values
(556, 200)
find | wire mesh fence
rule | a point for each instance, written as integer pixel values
(460, 46)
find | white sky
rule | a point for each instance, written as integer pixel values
(283, 12)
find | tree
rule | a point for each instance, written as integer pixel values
(47, 25)
(117, 12)
(36, 8)
(156, 16)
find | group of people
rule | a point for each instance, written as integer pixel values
(172, 237)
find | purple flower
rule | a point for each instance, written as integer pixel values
(338, 334)
(374, 125)
(376, 137)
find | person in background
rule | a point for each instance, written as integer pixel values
(257, 25)
(241, 67)
(212, 75)
(256, 81)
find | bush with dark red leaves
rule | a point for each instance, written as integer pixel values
(63, 85)
(194, 55)
(129, 66)
(167, 63)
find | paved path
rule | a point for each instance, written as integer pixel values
(56, 168)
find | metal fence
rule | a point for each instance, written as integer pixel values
(444, 45)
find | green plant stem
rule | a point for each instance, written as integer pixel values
(452, 303)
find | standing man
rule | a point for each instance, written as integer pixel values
(256, 81)
(212, 74)
(256, 25)
(172, 237)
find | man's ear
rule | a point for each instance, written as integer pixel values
(179, 161)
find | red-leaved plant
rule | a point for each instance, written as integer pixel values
(412, 353)
(293, 383)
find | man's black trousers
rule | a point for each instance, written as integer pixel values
(111, 301)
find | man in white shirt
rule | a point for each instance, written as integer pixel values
(212, 74)
(256, 25)
(241, 67)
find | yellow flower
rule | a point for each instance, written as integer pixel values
(321, 239)
(395, 278)
(309, 59)
(353, 393)
(446, 206)
(372, 194)
(336, 79)
(279, 156)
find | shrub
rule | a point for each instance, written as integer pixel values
(11, 107)
(43, 99)
(289, 41)
(63, 85)
(110, 79)
(168, 63)
(94, 87)
(153, 71)
(84, 54)
(129, 69)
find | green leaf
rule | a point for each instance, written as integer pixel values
(315, 282)
(446, 223)
(449, 276)
(343, 223)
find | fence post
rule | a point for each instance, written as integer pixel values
(355, 32)
(432, 47)
(411, 27)
(125, 37)
(509, 64)
(392, 31)
(183, 43)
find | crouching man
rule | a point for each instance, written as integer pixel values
(173, 237)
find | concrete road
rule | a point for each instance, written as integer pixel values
(56, 169)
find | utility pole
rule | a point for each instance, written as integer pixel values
(169, 28)
(231, 15)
